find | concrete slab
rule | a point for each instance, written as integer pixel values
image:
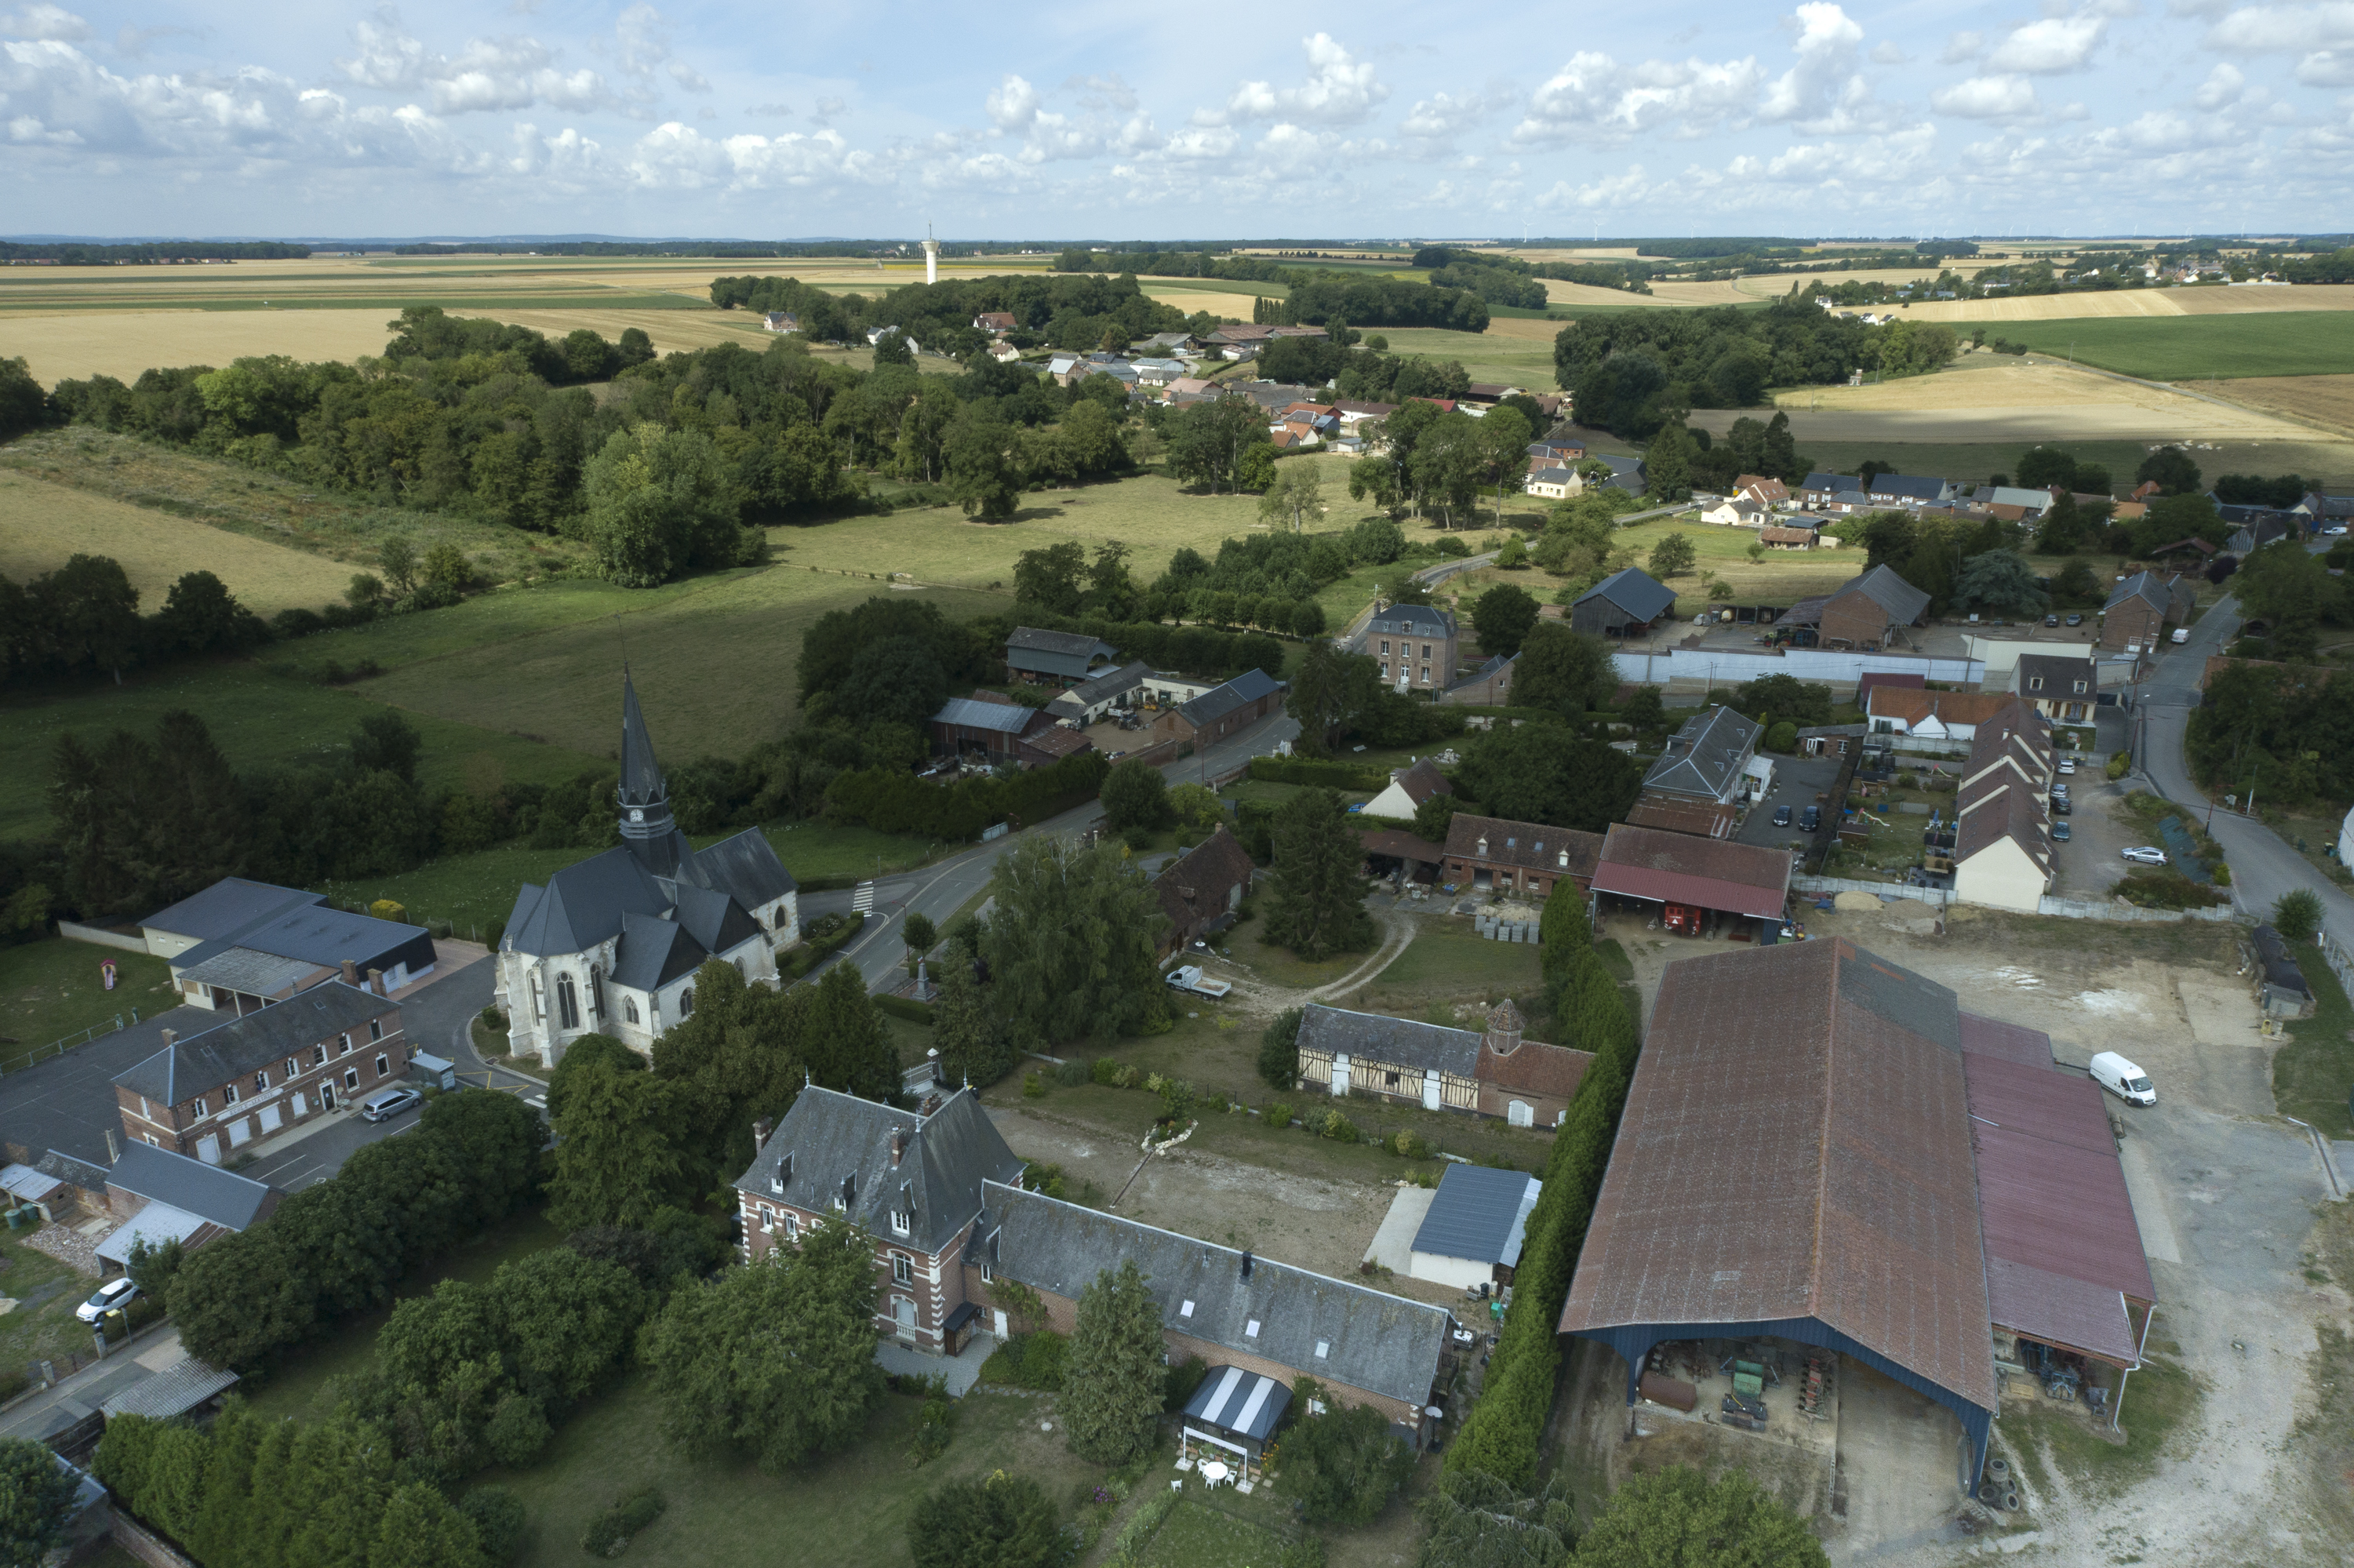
(1393, 1245)
(164, 1355)
(961, 1371)
(1899, 1460)
(2159, 1242)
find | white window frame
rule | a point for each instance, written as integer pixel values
(228, 1094)
(261, 1079)
(901, 1222)
(343, 1044)
(198, 1107)
(376, 1029)
(902, 1269)
(383, 1065)
(351, 1080)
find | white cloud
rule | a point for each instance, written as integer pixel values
(2222, 88)
(1961, 46)
(1612, 191)
(486, 76)
(1987, 97)
(1013, 105)
(1890, 55)
(2263, 30)
(1595, 98)
(675, 155)
(1824, 91)
(53, 23)
(2325, 67)
(2046, 47)
(1340, 90)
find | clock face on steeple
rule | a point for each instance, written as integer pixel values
(637, 815)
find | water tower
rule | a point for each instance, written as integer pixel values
(932, 256)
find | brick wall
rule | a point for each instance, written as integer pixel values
(2135, 621)
(936, 1283)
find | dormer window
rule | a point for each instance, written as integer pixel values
(901, 1222)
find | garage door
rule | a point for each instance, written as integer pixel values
(240, 1132)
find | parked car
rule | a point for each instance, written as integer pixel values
(2145, 854)
(2060, 807)
(1781, 816)
(1189, 977)
(2067, 765)
(2076, 621)
(1812, 821)
(2060, 832)
(384, 1106)
(114, 1292)
(2121, 1077)
(2182, 634)
(2051, 621)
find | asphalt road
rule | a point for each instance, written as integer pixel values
(941, 889)
(2263, 866)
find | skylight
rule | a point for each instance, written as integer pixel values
(1186, 1310)
(1250, 1329)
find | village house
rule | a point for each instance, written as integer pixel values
(1489, 854)
(611, 944)
(781, 320)
(1552, 483)
(996, 323)
(1869, 612)
(1626, 603)
(1771, 494)
(1786, 534)
(1931, 716)
(163, 1197)
(1492, 1071)
(1908, 489)
(1408, 788)
(2002, 841)
(993, 728)
(241, 946)
(1224, 710)
(1737, 512)
(2139, 609)
(911, 1179)
(1707, 768)
(1414, 643)
(2064, 688)
(1201, 888)
(251, 1076)
(1057, 658)
(1489, 683)
(1114, 691)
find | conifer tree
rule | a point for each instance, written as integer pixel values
(1114, 1388)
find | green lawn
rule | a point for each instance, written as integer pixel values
(42, 1324)
(1487, 356)
(260, 721)
(54, 987)
(2313, 1073)
(850, 1508)
(1205, 1535)
(470, 891)
(2190, 348)
(1450, 959)
(300, 1385)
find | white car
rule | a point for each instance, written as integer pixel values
(2145, 854)
(114, 1292)
(2067, 765)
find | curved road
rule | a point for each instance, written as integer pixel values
(2263, 866)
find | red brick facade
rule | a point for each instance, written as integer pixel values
(340, 1068)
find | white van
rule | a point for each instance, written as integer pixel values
(2122, 1078)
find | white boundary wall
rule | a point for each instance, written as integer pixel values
(1731, 666)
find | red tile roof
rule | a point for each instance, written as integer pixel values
(1677, 868)
(1535, 1069)
(1531, 845)
(1704, 818)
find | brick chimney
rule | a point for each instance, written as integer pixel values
(170, 1035)
(351, 972)
(375, 981)
(760, 1131)
(1504, 1028)
(899, 1144)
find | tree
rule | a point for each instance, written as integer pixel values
(1549, 773)
(892, 348)
(918, 935)
(1002, 1522)
(775, 1358)
(37, 1495)
(1297, 495)
(1667, 463)
(421, 1528)
(623, 1140)
(971, 1039)
(201, 616)
(1049, 577)
(2000, 579)
(23, 407)
(564, 1319)
(1072, 943)
(397, 556)
(2293, 590)
(895, 681)
(1676, 1517)
(1769, 698)
(982, 476)
(2076, 583)
(2296, 914)
(2172, 469)
(2041, 468)
(1278, 1049)
(1566, 670)
(1432, 818)
(659, 501)
(1113, 1390)
(1644, 710)
(1135, 795)
(1672, 556)
(387, 742)
(1474, 1520)
(1318, 908)
(1343, 1466)
(1503, 616)
(1328, 690)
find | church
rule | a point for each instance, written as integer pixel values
(610, 945)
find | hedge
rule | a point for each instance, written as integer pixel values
(890, 801)
(813, 949)
(1318, 770)
(1502, 1437)
(905, 1007)
(1198, 649)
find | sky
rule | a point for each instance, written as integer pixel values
(1039, 120)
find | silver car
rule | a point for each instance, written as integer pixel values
(2145, 854)
(389, 1104)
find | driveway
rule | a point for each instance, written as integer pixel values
(1797, 781)
(2088, 865)
(2263, 868)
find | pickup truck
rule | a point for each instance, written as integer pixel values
(1189, 977)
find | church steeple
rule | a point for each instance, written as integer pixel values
(644, 798)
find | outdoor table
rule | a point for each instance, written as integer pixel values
(1214, 1473)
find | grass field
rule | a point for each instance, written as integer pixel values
(158, 486)
(2192, 348)
(1451, 961)
(2311, 1072)
(259, 720)
(41, 525)
(1519, 358)
(53, 988)
(1205, 1535)
(40, 1322)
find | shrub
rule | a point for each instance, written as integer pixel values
(1338, 1127)
(1106, 1072)
(1783, 736)
(1184, 1378)
(498, 1522)
(2169, 889)
(1278, 1114)
(2119, 763)
(905, 1007)
(1044, 1358)
(611, 1530)
(1074, 1073)
(1033, 1087)
(2296, 914)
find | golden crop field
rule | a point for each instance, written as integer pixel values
(2325, 400)
(2198, 302)
(1192, 299)
(41, 525)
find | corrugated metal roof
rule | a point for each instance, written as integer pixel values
(226, 907)
(1643, 596)
(1006, 719)
(1677, 868)
(1478, 1215)
(1794, 1146)
(175, 1390)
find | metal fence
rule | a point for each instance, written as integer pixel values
(2335, 956)
(17, 1064)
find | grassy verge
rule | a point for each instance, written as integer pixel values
(300, 1386)
(1281, 966)
(850, 1508)
(42, 1324)
(55, 988)
(2313, 1073)
(1205, 1535)
(1449, 960)
(2160, 1401)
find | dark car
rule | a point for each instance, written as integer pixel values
(1781, 816)
(2051, 621)
(2058, 805)
(1812, 820)
(2060, 831)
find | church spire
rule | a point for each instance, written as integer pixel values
(644, 798)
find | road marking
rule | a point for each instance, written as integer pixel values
(862, 899)
(540, 1100)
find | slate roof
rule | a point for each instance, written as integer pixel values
(711, 918)
(1410, 620)
(1401, 1041)
(1828, 482)
(1479, 1213)
(1399, 845)
(970, 713)
(1901, 599)
(1219, 701)
(1096, 689)
(2059, 675)
(1424, 780)
(1911, 487)
(226, 907)
(654, 953)
(1061, 652)
(1643, 596)
(1531, 845)
(208, 1192)
(2147, 586)
(1677, 868)
(202, 1062)
(1796, 1144)
(2007, 809)
(641, 777)
(318, 934)
(583, 905)
(1379, 1343)
(1705, 756)
(745, 867)
(831, 1137)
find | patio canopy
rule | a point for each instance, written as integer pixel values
(1245, 1404)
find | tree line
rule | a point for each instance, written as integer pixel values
(1053, 310)
(77, 253)
(1323, 296)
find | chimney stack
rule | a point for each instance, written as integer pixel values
(351, 972)
(375, 981)
(170, 1035)
(1246, 1263)
(761, 1130)
(899, 1144)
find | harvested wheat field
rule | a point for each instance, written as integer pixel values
(105, 343)
(2326, 400)
(2198, 301)
(1239, 306)
(41, 525)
